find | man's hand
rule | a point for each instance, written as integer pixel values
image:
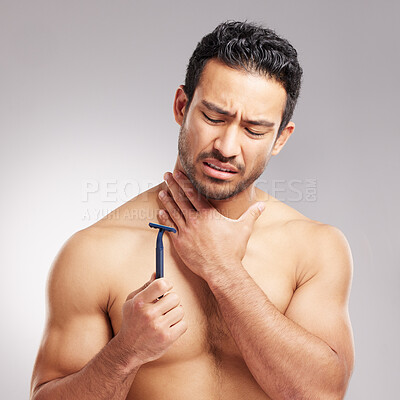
(206, 240)
(150, 326)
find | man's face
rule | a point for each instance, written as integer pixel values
(228, 133)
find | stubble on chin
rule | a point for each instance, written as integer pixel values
(211, 188)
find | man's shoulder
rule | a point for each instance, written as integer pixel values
(280, 216)
(79, 273)
(313, 242)
(133, 216)
(125, 225)
(294, 222)
(108, 243)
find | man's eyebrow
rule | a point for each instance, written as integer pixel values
(217, 109)
(259, 122)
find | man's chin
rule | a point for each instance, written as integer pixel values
(212, 188)
(216, 189)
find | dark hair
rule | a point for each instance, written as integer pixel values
(253, 48)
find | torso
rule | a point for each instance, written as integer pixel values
(204, 363)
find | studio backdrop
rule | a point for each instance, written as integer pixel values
(86, 123)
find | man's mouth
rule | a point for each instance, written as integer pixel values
(219, 165)
(218, 170)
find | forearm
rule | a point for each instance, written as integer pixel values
(287, 361)
(108, 376)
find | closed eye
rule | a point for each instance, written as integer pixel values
(254, 133)
(215, 121)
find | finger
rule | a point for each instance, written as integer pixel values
(252, 213)
(174, 316)
(166, 303)
(156, 289)
(135, 292)
(199, 201)
(173, 210)
(178, 329)
(165, 219)
(178, 195)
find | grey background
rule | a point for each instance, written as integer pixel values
(86, 90)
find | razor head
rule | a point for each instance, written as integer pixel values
(164, 227)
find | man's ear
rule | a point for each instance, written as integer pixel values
(180, 102)
(282, 139)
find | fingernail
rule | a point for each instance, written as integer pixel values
(261, 206)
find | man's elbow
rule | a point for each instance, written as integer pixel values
(330, 384)
(35, 392)
(338, 380)
(41, 391)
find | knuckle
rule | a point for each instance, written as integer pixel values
(147, 320)
(164, 336)
(155, 326)
(164, 284)
(176, 213)
(137, 303)
(148, 316)
(174, 297)
(181, 196)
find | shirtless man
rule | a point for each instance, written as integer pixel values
(255, 295)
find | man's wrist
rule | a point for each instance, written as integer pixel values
(127, 359)
(223, 273)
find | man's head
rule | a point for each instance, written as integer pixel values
(255, 49)
(241, 86)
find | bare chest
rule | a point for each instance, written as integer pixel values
(207, 334)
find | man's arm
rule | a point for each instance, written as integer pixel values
(76, 359)
(305, 354)
(103, 378)
(308, 352)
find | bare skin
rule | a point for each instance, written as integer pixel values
(263, 316)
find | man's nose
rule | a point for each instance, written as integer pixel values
(228, 142)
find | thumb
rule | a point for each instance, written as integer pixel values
(135, 292)
(253, 212)
(152, 277)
